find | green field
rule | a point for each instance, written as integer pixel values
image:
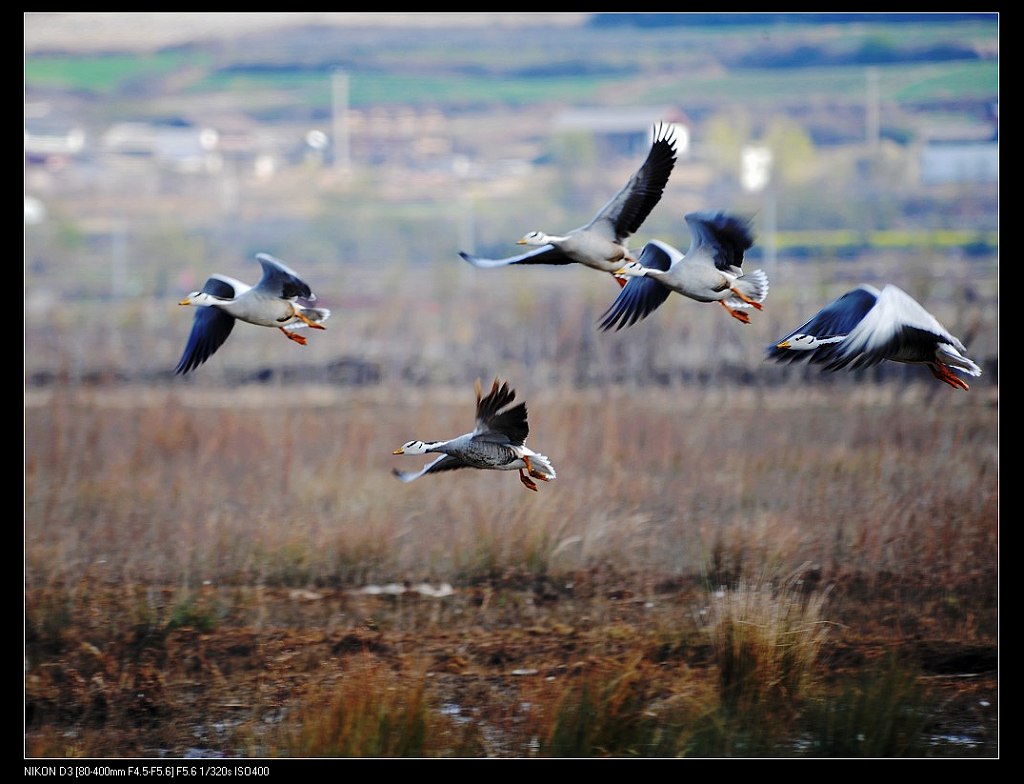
(684, 66)
(105, 73)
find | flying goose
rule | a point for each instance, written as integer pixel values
(602, 243)
(865, 326)
(272, 302)
(709, 272)
(495, 443)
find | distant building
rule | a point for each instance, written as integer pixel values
(48, 140)
(954, 162)
(964, 152)
(179, 146)
(625, 131)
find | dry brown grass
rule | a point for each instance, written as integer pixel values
(194, 561)
(767, 639)
(182, 488)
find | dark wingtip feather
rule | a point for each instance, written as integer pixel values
(728, 234)
(511, 422)
(210, 328)
(636, 301)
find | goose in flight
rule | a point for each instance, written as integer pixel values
(495, 443)
(710, 271)
(602, 243)
(272, 302)
(865, 326)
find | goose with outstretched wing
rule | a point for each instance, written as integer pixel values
(603, 243)
(277, 300)
(866, 326)
(496, 442)
(710, 271)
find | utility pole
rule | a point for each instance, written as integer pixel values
(873, 113)
(339, 108)
(756, 176)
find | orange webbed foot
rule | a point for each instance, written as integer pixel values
(296, 313)
(946, 376)
(739, 315)
(530, 484)
(308, 321)
(292, 336)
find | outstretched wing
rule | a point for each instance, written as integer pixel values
(837, 319)
(495, 425)
(545, 254)
(897, 326)
(721, 236)
(280, 280)
(210, 328)
(626, 211)
(641, 296)
(442, 463)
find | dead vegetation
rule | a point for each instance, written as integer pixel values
(196, 566)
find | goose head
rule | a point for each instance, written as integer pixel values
(411, 448)
(200, 298)
(534, 238)
(633, 269)
(801, 342)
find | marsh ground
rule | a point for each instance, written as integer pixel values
(220, 591)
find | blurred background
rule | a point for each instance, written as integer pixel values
(212, 559)
(367, 149)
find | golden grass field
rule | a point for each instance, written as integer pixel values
(175, 582)
(786, 565)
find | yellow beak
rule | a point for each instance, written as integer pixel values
(783, 344)
(399, 451)
(184, 302)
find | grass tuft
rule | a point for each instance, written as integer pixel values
(766, 639)
(371, 712)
